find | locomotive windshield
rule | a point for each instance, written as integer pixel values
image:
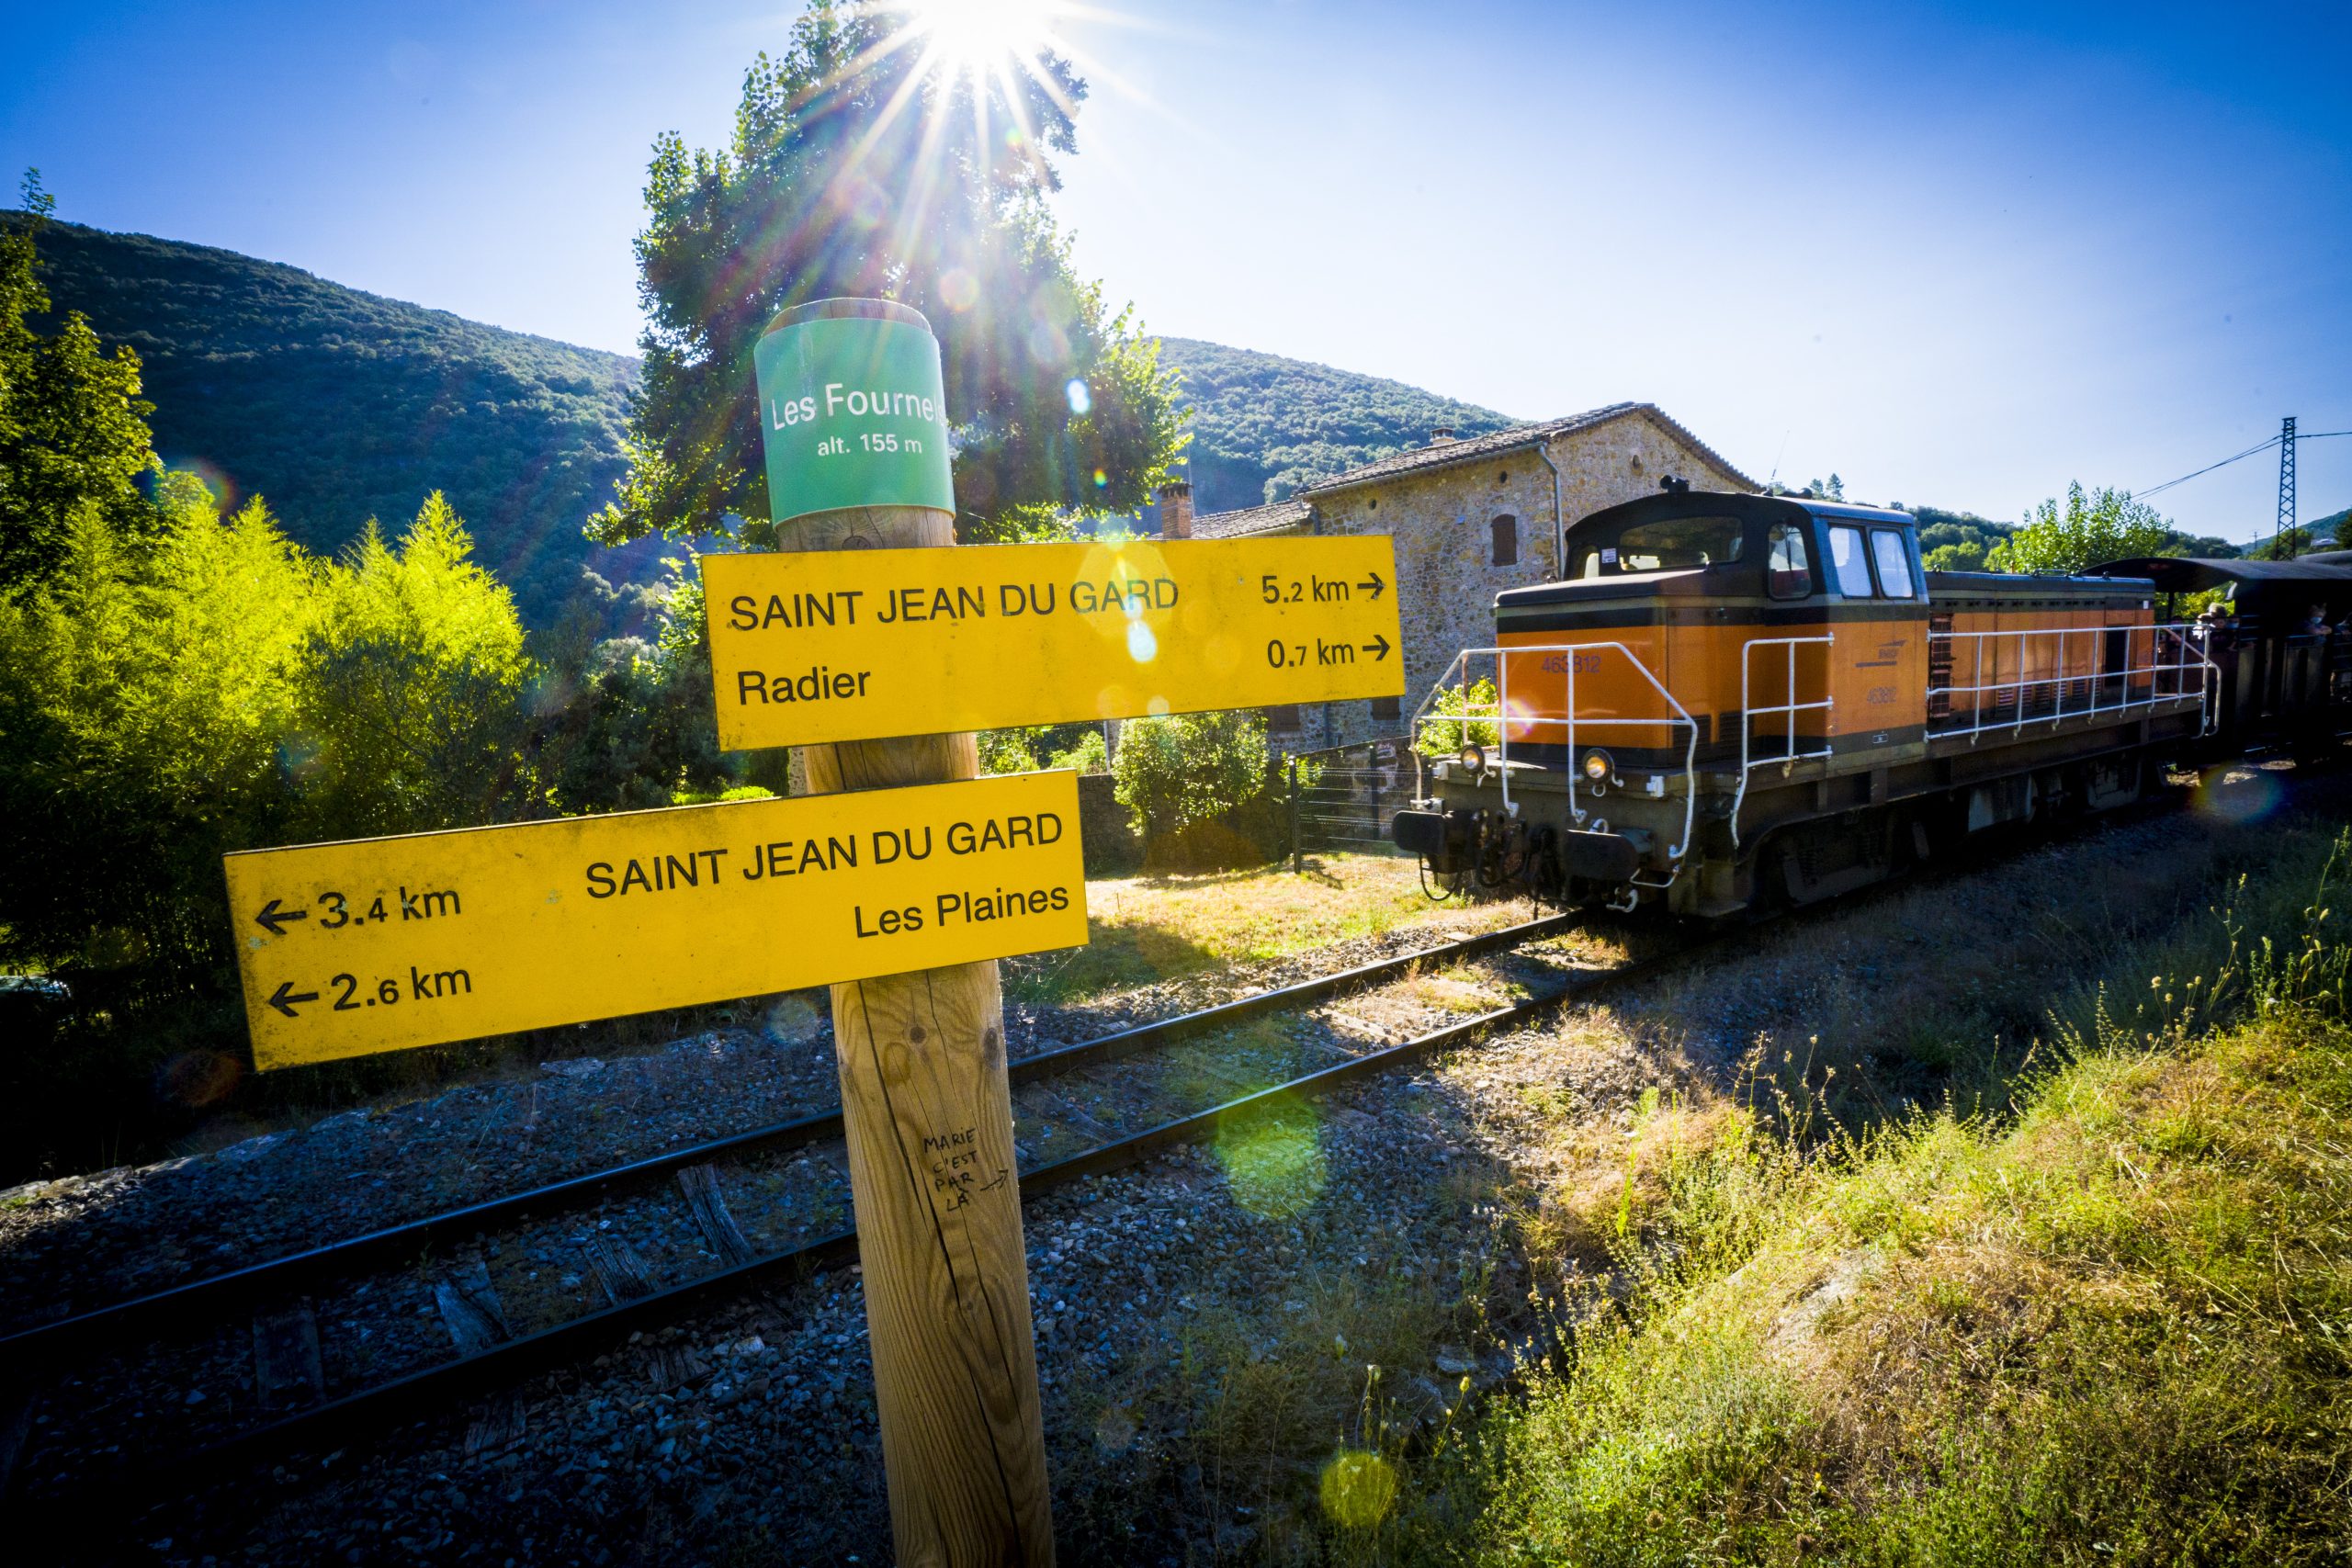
(1669, 544)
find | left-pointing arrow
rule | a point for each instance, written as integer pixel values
(286, 996)
(272, 920)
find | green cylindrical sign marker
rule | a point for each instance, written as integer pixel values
(852, 411)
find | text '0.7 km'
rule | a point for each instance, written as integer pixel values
(382, 943)
(858, 644)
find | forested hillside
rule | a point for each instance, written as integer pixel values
(338, 406)
(1262, 425)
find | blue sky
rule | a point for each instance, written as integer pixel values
(1960, 254)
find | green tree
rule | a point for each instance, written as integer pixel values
(2284, 545)
(1180, 774)
(143, 701)
(1447, 729)
(2086, 529)
(854, 171)
(73, 428)
(624, 723)
(408, 686)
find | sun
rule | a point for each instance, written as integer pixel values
(971, 35)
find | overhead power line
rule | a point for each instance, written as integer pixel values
(2157, 490)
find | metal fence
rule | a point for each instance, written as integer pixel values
(1342, 797)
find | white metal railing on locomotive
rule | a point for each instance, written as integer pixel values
(1502, 714)
(2175, 670)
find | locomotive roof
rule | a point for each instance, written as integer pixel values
(1719, 504)
(2189, 574)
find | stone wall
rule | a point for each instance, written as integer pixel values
(1111, 845)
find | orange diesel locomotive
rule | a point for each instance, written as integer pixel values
(1735, 700)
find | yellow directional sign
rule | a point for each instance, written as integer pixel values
(853, 645)
(377, 944)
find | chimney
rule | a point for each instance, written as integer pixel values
(1441, 435)
(1176, 510)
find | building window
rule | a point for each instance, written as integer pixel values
(1388, 708)
(1284, 719)
(1506, 540)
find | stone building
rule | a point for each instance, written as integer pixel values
(1470, 518)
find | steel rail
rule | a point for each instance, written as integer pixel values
(210, 1299)
(139, 1485)
(150, 1481)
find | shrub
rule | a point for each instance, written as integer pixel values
(1006, 751)
(1200, 789)
(1441, 738)
(205, 686)
(1091, 755)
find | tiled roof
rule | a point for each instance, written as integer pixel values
(1269, 519)
(1474, 448)
(1290, 514)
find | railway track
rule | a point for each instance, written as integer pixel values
(496, 1362)
(493, 1358)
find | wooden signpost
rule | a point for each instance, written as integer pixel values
(925, 1105)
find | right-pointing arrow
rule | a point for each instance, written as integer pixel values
(1377, 647)
(1375, 585)
(287, 994)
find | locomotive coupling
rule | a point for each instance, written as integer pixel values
(1605, 858)
(1460, 841)
(1447, 840)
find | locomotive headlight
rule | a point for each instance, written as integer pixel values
(1597, 765)
(1474, 759)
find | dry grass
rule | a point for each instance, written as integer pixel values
(1458, 989)
(1157, 927)
(1611, 1183)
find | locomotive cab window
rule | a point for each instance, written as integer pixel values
(1893, 563)
(1669, 544)
(1848, 562)
(1788, 571)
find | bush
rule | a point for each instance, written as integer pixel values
(1006, 751)
(1201, 789)
(1441, 739)
(1091, 755)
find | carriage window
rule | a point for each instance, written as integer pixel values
(1788, 573)
(1846, 562)
(1893, 563)
(1673, 544)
